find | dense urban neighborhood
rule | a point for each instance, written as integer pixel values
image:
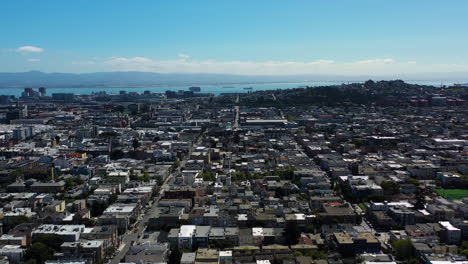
(372, 173)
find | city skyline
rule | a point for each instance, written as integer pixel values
(263, 38)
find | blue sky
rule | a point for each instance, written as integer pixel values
(242, 37)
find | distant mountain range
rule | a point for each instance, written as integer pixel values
(147, 79)
(140, 79)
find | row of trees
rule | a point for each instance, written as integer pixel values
(43, 248)
(144, 178)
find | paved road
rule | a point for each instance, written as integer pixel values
(235, 125)
(141, 224)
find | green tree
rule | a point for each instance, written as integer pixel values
(464, 248)
(420, 199)
(88, 222)
(207, 175)
(285, 174)
(403, 249)
(464, 252)
(133, 176)
(414, 181)
(146, 177)
(31, 261)
(110, 251)
(17, 220)
(317, 254)
(159, 180)
(390, 188)
(70, 183)
(51, 240)
(310, 229)
(16, 174)
(175, 165)
(39, 252)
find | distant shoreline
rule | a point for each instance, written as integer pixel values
(213, 84)
(170, 85)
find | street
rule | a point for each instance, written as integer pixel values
(131, 236)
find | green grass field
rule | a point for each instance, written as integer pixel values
(453, 194)
(362, 206)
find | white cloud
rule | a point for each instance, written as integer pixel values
(377, 61)
(131, 64)
(184, 56)
(375, 66)
(34, 60)
(83, 62)
(29, 49)
(324, 62)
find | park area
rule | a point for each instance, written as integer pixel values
(453, 194)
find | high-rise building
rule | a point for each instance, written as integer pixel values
(22, 133)
(18, 112)
(19, 133)
(83, 133)
(42, 91)
(29, 92)
(5, 99)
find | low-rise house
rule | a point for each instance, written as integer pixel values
(185, 236)
(202, 235)
(68, 233)
(338, 214)
(349, 245)
(185, 203)
(205, 255)
(164, 216)
(148, 252)
(15, 253)
(106, 233)
(450, 234)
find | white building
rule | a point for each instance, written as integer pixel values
(14, 253)
(69, 233)
(121, 209)
(257, 235)
(452, 234)
(186, 233)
